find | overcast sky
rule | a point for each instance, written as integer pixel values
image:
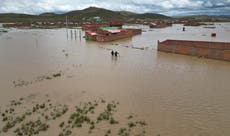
(166, 7)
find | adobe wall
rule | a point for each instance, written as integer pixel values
(212, 50)
(111, 37)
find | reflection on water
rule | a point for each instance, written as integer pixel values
(175, 94)
(75, 34)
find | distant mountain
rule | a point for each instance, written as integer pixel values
(206, 18)
(88, 14)
(93, 14)
(13, 17)
(105, 14)
(48, 14)
(126, 13)
(149, 16)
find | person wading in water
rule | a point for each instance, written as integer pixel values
(116, 53)
(112, 52)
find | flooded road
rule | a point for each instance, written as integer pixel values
(176, 95)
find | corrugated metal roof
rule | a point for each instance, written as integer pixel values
(109, 28)
(114, 31)
(91, 33)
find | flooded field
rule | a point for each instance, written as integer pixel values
(175, 95)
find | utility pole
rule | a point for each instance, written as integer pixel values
(66, 21)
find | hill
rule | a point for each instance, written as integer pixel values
(93, 12)
(206, 18)
(88, 14)
(48, 14)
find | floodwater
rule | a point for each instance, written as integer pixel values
(176, 95)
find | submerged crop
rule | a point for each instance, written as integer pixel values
(29, 118)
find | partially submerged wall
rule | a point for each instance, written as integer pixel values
(125, 33)
(212, 50)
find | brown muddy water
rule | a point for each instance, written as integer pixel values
(175, 95)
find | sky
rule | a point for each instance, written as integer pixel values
(166, 7)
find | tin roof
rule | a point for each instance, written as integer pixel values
(91, 33)
(109, 28)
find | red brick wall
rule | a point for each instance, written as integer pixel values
(226, 55)
(215, 54)
(186, 50)
(105, 36)
(202, 52)
(200, 49)
(166, 48)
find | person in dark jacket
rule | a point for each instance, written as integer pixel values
(116, 53)
(112, 52)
